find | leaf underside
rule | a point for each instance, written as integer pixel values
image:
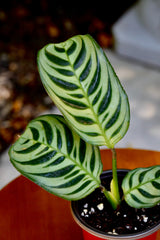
(141, 187)
(82, 83)
(56, 158)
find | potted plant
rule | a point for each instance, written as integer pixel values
(61, 154)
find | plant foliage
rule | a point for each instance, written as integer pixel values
(59, 154)
(141, 187)
(56, 158)
(82, 83)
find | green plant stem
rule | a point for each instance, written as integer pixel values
(109, 197)
(113, 195)
(115, 177)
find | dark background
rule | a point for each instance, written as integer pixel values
(25, 27)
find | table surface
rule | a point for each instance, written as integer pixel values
(29, 212)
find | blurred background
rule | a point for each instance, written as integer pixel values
(25, 27)
(120, 29)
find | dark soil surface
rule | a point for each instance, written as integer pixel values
(96, 212)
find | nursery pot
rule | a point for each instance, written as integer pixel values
(92, 233)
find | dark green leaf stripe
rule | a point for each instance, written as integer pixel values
(48, 131)
(147, 194)
(59, 49)
(86, 71)
(71, 182)
(141, 187)
(73, 103)
(71, 49)
(156, 185)
(96, 79)
(54, 157)
(28, 149)
(84, 120)
(56, 162)
(56, 59)
(39, 160)
(35, 133)
(65, 72)
(106, 99)
(62, 84)
(80, 80)
(114, 117)
(81, 56)
(95, 100)
(55, 174)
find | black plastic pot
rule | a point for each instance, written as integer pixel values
(91, 233)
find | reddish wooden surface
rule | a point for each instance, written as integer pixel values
(27, 212)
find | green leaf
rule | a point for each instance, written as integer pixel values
(82, 83)
(141, 187)
(114, 191)
(56, 158)
(112, 195)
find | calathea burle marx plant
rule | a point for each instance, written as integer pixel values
(61, 154)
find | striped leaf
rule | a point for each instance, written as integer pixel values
(141, 187)
(56, 158)
(82, 83)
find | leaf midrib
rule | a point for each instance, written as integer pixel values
(69, 157)
(107, 142)
(139, 185)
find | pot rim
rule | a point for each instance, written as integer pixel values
(99, 234)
